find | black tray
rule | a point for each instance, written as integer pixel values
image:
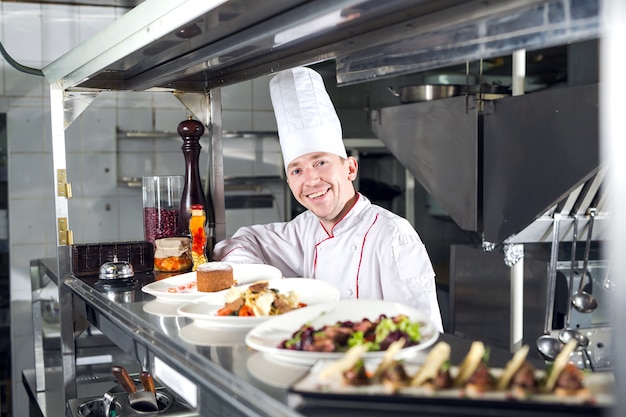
(312, 399)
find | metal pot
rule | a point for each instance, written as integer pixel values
(425, 92)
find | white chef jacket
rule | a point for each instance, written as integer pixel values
(371, 253)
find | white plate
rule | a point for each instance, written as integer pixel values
(242, 273)
(160, 308)
(202, 336)
(203, 310)
(268, 335)
(273, 372)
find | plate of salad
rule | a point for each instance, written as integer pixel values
(326, 331)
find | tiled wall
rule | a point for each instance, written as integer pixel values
(101, 209)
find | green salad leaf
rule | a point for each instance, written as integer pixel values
(387, 325)
(358, 338)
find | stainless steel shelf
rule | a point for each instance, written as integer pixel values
(196, 46)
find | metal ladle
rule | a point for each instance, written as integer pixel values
(582, 301)
(548, 346)
(568, 334)
(570, 286)
(582, 342)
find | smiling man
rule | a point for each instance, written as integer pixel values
(362, 249)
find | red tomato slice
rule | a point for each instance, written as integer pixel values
(246, 311)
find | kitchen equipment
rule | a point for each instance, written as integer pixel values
(108, 400)
(120, 406)
(582, 342)
(570, 286)
(568, 334)
(161, 200)
(147, 381)
(582, 301)
(106, 406)
(116, 281)
(425, 92)
(116, 270)
(548, 346)
(190, 132)
(144, 401)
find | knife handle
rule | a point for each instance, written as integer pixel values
(124, 379)
(148, 382)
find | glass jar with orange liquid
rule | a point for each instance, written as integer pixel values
(198, 233)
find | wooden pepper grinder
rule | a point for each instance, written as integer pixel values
(193, 193)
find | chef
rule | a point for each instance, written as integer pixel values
(343, 239)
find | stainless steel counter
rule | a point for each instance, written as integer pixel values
(148, 332)
(212, 370)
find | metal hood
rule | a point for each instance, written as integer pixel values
(499, 169)
(195, 46)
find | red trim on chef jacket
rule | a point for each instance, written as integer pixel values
(231, 251)
(361, 257)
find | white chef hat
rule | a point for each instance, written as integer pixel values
(305, 115)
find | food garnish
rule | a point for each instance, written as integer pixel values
(258, 300)
(191, 285)
(373, 335)
(353, 372)
(470, 363)
(435, 372)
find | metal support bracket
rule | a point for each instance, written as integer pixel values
(66, 236)
(64, 188)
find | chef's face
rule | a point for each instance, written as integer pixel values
(322, 182)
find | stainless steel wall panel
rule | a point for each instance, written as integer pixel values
(480, 294)
(537, 149)
(437, 142)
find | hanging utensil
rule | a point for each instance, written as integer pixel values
(582, 342)
(565, 334)
(143, 401)
(582, 301)
(548, 346)
(570, 291)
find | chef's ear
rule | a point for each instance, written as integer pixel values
(353, 168)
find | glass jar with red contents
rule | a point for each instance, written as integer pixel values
(197, 223)
(161, 206)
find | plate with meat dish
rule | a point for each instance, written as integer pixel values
(182, 288)
(248, 305)
(472, 384)
(325, 331)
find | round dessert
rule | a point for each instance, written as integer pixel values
(214, 276)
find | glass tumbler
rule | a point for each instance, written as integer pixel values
(161, 206)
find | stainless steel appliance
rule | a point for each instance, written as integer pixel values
(505, 168)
